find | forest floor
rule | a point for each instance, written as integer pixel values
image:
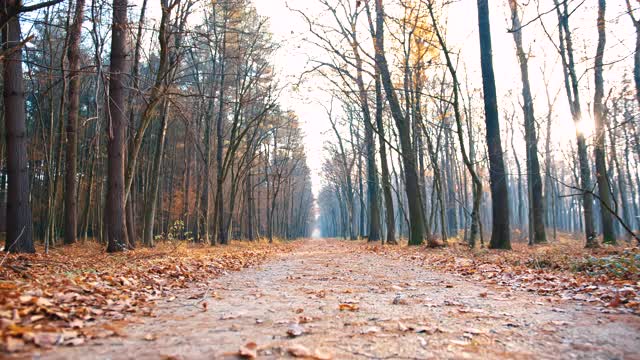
(330, 299)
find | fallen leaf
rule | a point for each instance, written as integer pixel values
(322, 354)
(299, 351)
(249, 350)
(13, 344)
(46, 339)
(74, 342)
(348, 307)
(35, 318)
(44, 302)
(371, 330)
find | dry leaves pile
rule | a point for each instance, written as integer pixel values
(608, 277)
(78, 292)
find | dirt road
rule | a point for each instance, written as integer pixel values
(341, 303)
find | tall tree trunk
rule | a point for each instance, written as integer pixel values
(604, 189)
(250, 204)
(373, 196)
(378, 43)
(71, 183)
(390, 215)
(221, 233)
(119, 70)
(500, 236)
(19, 218)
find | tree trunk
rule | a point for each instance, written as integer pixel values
(571, 87)
(636, 55)
(536, 198)
(500, 236)
(151, 204)
(19, 218)
(73, 56)
(416, 218)
(604, 190)
(119, 70)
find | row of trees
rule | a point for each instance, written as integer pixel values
(124, 127)
(439, 145)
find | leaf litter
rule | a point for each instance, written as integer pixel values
(77, 293)
(447, 315)
(608, 277)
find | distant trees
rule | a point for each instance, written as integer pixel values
(425, 97)
(176, 129)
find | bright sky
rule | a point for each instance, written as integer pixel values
(289, 29)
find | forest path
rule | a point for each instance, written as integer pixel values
(391, 309)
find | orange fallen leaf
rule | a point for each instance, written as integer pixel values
(249, 350)
(348, 307)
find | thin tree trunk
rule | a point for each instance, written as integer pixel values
(151, 203)
(71, 183)
(571, 87)
(604, 188)
(536, 200)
